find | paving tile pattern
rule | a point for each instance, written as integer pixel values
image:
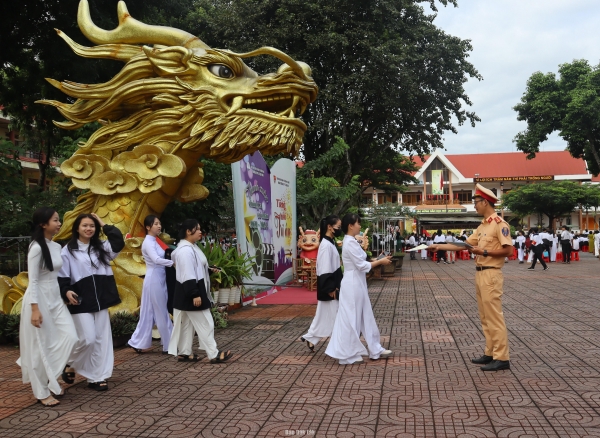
(274, 386)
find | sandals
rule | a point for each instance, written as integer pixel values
(98, 386)
(49, 403)
(222, 356)
(137, 350)
(68, 376)
(310, 345)
(190, 358)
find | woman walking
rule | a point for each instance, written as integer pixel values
(47, 334)
(355, 315)
(520, 245)
(154, 292)
(88, 285)
(192, 300)
(329, 278)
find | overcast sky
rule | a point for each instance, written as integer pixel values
(511, 40)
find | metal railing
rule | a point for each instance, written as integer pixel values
(13, 255)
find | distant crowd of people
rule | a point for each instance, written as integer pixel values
(532, 246)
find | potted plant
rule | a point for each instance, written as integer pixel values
(399, 258)
(122, 325)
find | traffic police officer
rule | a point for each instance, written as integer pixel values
(491, 243)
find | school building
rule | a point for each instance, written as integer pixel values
(443, 196)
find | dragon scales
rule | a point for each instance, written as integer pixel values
(171, 104)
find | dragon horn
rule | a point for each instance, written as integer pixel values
(131, 31)
(301, 231)
(366, 231)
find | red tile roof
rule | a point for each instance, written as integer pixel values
(516, 164)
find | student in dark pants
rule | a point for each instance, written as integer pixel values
(565, 241)
(537, 246)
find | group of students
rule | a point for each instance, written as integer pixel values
(534, 244)
(343, 309)
(65, 324)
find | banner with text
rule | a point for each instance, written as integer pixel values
(437, 183)
(265, 216)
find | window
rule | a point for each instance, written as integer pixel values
(411, 198)
(465, 196)
(367, 199)
(384, 198)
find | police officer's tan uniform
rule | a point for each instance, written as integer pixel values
(491, 235)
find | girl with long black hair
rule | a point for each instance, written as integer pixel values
(47, 334)
(355, 315)
(87, 284)
(192, 299)
(154, 292)
(329, 278)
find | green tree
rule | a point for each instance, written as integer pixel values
(215, 213)
(568, 104)
(389, 79)
(31, 51)
(554, 199)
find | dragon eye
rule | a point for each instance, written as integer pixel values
(221, 71)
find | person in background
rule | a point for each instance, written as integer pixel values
(537, 248)
(441, 254)
(423, 241)
(47, 333)
(355, 314)
(565, 241)
(154, 292)
(554, 238)
(576, 241)
(520, 245)
(451, 254)
(329, 279)
(87, 283)
(411, 244)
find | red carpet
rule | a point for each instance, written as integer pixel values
(290, 295)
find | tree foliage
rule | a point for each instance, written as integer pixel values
(554, 199)
(389, 79)
(568, 104)
(215, 213)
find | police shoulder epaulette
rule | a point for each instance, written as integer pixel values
(498, 219)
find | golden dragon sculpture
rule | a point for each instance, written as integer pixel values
(174, 101)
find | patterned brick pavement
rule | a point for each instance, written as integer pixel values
(275, 387)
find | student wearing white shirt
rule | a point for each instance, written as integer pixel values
(412, 243)
(451, 254)
(192, 299)
(329, 279)
(565, 240)
(440, 238)
(520, 245)
(153, 309)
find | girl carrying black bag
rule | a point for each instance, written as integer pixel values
(192, 299)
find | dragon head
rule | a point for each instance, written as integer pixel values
(181, 95)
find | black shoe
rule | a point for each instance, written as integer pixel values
(497, 365)
(530, 269)
(546, 268)
(520, 263)
(483, 360)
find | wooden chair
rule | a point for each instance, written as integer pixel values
(312, 276)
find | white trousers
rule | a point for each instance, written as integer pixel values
(153, 311)
(322, 324)
(184, 324)
(93, 355)
(521, 254)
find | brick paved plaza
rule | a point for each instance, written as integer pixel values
(275, 387)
